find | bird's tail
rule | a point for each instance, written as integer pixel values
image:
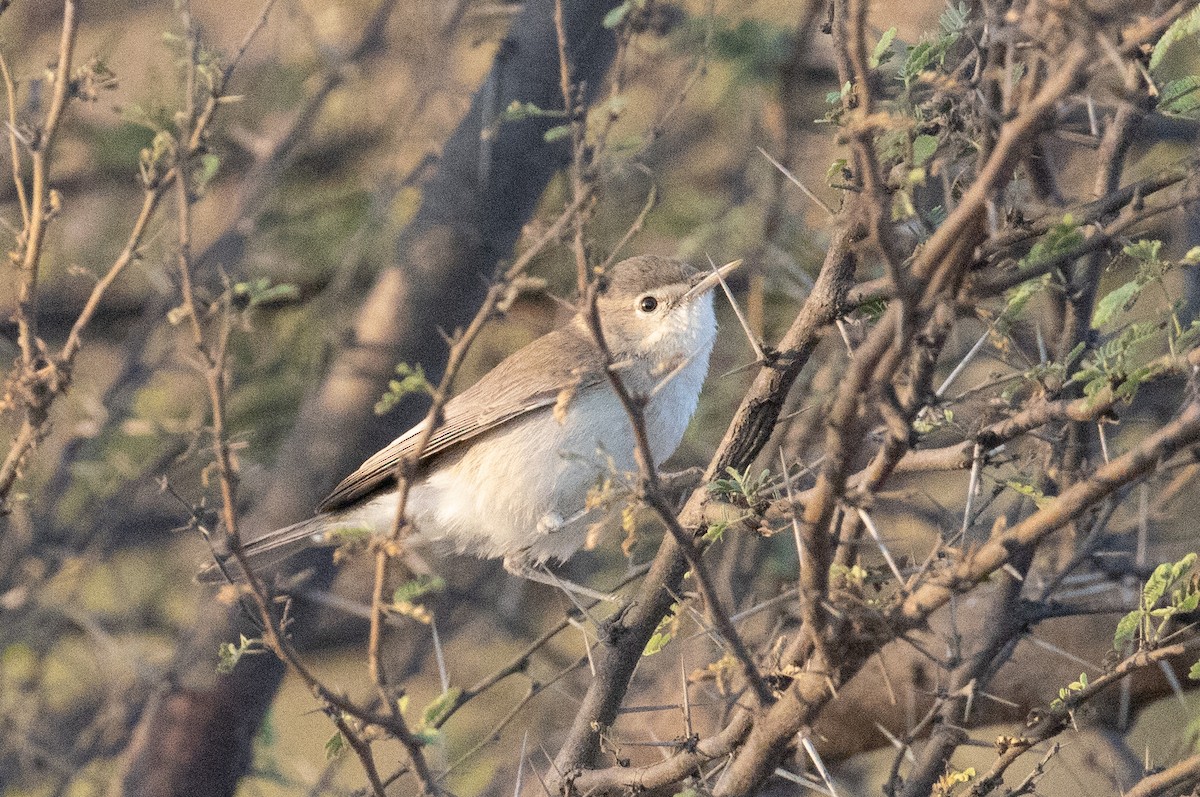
(270, 549)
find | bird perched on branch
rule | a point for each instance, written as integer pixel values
(506, 474)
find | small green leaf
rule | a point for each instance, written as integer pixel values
(436, 711)
(1058, 240)
(335, 746)
(260, 291)
(954, 20)
(1017, 298)
(664, 632)
(1145, 250)
(882, 52)
(617, 15)
(1126, 630)
(836, 171)
(1192, 257)
(715, 532)
(1040, 499)
(923, 148)
(518, 111)
(1194, 672)
(412, 380)
(1114, 301)
(656, 643)
(205, 172)
(556, 133)
(1180, 97)
(229, 654)
(409, 591)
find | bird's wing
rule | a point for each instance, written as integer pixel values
(524, 382)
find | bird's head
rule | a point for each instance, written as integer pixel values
(658, 307)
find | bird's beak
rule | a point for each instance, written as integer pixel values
(703, 283)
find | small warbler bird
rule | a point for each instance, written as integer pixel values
(507, 472)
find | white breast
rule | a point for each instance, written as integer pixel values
(523, 487)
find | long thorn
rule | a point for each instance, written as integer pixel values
(958, 369)
(818, 763)
(440, 656)
(887, 555)
(796, 181)
(972, 486)
(754, 344)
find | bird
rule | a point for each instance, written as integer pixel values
(507, 472)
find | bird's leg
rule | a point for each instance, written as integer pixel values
(519, 565)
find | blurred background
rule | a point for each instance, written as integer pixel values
(341, 115)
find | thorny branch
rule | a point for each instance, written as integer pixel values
(831, 630)
(940, 267)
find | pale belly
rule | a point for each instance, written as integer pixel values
(521, 490)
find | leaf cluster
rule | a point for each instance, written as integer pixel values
(1173, 589)
(411, 380)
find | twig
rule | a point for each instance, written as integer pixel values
(796, 181)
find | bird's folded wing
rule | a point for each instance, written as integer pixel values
(524, 382)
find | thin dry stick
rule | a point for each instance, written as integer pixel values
(38, 382)
(51, 380)
(457, 355)
(796, 181)
(213, 355)
(1058, 717)
(18, 181)
(1185, 773)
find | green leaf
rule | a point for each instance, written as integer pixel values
(1163, 580)
(1017, 298)
(715, 532)
(436, 711)
(836, 171)
(954, 19)
(1192, 257)
(412, 380)
(882, 52)
(1126, 630)
(229, 654)
(1180, 97)
(617, 15)
(1145, 250)
(1114, 301)
(335, 746)
(517, 111)
(923, 148)
(1039, 498)
(656, 643)
(205, 172)
(874, 309)
(664, 632)
(1187, 25)
(418, 587)
(933, 53)
(556, 133)
(260, 291)
(1194, 672)
(1058, 240)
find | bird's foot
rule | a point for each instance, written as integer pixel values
(519, 566)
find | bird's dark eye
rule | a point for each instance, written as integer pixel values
(647, 304)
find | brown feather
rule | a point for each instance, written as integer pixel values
(512, 389)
